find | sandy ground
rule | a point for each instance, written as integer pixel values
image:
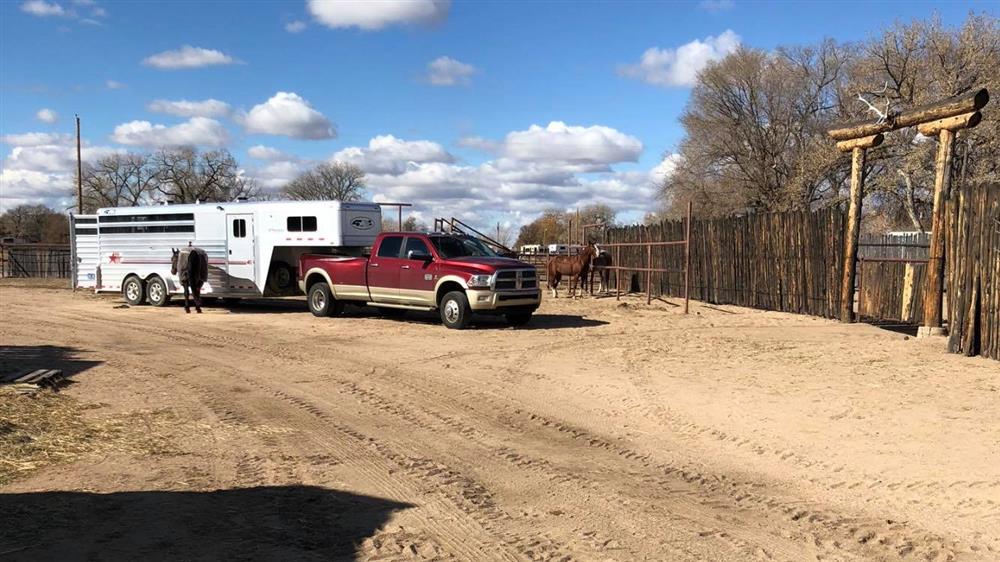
(604, 431)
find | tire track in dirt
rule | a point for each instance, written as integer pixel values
(469, 496)
(525, 421)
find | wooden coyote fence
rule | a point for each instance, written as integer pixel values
(791, 262)
(973, 265)
(35, 260)
(892, 289)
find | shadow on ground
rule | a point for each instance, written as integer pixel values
(892, 326)
(278, 306)
(263, 523)
(31, 357)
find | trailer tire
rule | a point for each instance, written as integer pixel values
(133, 290)
(280, 277)
(156, 291)
(455, 311)
(321, 301)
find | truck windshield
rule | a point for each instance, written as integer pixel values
(455, 247)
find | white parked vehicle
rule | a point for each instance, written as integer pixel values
(253, 247)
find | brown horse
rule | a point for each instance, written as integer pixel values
(575, 266)
(190, 265)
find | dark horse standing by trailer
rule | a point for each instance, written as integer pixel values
(190, 265)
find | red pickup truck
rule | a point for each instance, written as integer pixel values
(455, 275)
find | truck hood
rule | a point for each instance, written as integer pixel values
(488, 265)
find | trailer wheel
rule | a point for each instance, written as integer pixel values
(280, 278)
(455, 311)
(156, 292)
(321, 301)
(133, 291)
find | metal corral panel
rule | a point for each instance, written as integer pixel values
(85, 250)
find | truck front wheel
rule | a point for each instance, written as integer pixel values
(455, 310)
(321, 301)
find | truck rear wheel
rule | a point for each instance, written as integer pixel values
(455, 311)
(134, 291)
(321, 301)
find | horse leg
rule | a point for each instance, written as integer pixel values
(554, 284)
(196, 289)
(187, 306)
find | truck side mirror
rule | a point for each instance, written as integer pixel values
(418, 255)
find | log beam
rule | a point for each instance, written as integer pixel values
(863, 142)
(853, 231)
(964, 121)
(958, 105)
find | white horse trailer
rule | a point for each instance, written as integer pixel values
(253, 247)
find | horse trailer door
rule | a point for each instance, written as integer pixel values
(84, 250)
(240, 245)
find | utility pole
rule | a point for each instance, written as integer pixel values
(79, 171)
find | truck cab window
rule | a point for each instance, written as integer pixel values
(415, 245)
(389, 248)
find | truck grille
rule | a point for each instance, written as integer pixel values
(514, 279)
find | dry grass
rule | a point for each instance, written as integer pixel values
(45, 428)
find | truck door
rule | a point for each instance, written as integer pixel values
(383, 270)
(416, 276)
(240, 252)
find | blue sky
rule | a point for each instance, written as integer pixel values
(534, 106)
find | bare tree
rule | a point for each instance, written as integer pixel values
(118, 180)
(35, 223)
(329, 181)
(755, 132)
(186, 175)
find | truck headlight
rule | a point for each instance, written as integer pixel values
(480, 281)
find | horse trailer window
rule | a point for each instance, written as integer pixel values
(239, 228)
(301, 224)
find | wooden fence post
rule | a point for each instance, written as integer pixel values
(934, 295)
(858, 148)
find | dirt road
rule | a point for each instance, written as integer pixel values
(605, 431)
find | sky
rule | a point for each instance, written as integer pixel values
(486, 111)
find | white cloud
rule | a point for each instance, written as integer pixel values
(286, 113)
(46, 115)
(573, 171)
(716, 6)
(371, 15)
(197, 131)
(446, 71)
(35, 139)
(113, 85)
(680, 66)
(386, 154)
(665, 168)
(188, 57)
(42, 9)
(186, 108)
(40, 169)
(560, 142)
(261, 152)
(479, 143)
(295, 26)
